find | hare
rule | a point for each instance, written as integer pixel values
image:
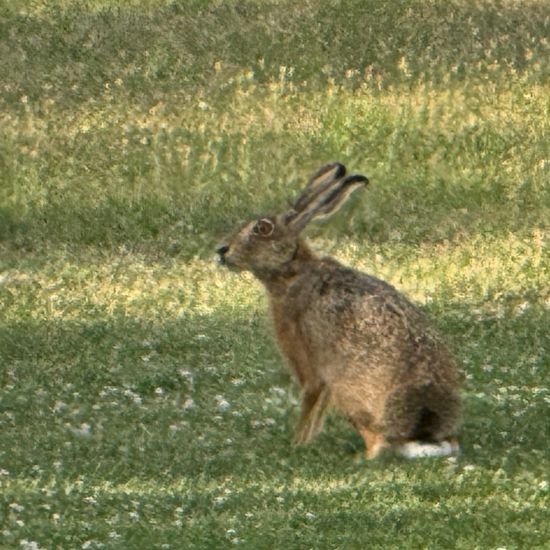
(351, 340)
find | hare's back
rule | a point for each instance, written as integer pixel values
(350, 315)
(350, 300)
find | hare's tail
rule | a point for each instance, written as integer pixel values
(419, 449)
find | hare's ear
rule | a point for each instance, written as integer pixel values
(325, 202)
(318, 182)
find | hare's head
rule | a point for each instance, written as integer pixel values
(268, 246)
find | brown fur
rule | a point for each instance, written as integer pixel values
(349, 338)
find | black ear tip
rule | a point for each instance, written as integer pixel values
(355, 178)
(340, 170)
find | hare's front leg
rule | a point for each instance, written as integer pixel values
(315, 401)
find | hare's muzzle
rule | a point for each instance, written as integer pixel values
(221, 252)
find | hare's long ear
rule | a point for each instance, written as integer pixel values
(324, 177)
(326, 201)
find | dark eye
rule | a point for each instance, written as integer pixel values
(263, 227)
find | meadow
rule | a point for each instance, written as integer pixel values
(143, 403)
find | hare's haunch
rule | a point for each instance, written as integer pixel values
(351, 339)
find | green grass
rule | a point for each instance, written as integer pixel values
(143, 403)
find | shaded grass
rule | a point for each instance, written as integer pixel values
(153, 470)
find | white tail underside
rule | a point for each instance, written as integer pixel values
(417, 449)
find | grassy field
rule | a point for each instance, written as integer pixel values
(143, 403)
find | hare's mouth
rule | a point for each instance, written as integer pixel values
(223, 260)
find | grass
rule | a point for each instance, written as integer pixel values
(143, 401)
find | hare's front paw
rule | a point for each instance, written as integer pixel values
(305, 432)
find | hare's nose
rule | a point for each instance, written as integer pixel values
(222, 250)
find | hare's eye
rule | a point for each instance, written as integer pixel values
(263, 227)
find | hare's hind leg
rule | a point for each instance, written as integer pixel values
(314, 405)
(375, 442)
(422, 421)
(374, 438)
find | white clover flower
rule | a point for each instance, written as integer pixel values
(59, 406)
(188, 404)
(223, 404)
(84, 430)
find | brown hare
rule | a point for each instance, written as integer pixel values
(351, 340)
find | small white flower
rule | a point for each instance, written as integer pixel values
(159, 391)
(58, 406)
(84, 430)
(133, 396)
(223, 404)
(188, 404)
(310, 516)
(14, 507)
